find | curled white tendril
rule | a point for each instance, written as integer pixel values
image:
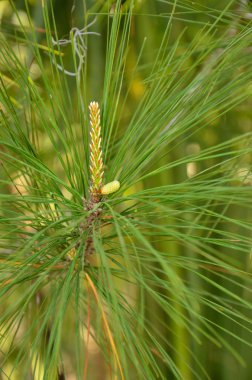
(79, 46)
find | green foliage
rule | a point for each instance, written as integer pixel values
(166, 292)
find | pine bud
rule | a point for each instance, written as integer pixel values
(96, 162)
(110, 187)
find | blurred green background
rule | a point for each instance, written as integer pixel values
(149, 24)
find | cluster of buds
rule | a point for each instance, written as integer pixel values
(97, 189)
(96, 162)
